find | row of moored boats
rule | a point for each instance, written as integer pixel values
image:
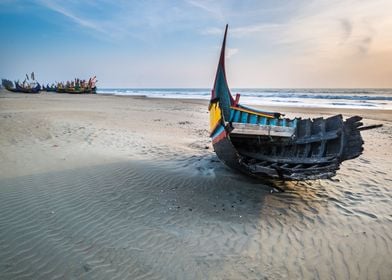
(30, 85)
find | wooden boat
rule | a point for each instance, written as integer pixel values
(18, 88)
(78, 86)
(268, 145)
(77, 91)
(49, 88)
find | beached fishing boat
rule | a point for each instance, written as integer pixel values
(30, 88)
(49, 88)
(268, 145)
(76, 91)
(78, 86)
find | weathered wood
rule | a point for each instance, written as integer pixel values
(369, 127)
(292, 160)
(271, 172)
(283, 171)
(319, 137)
(256, 129)
(312, 168)
(308, 130)
(321, 151)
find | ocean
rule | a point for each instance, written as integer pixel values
(323, 98)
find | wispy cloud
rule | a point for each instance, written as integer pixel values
(211, 7)
(244, 31)
(61, 9)
(231, 52)
(316, 38)
(364, 44)
(324, 27)
(346, 28)
(136, 19)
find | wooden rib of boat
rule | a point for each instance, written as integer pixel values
(268, 145)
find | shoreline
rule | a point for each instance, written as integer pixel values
(370, 113)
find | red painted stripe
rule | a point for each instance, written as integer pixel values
(219, 137)
(218, 124)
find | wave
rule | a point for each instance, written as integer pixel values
(353, 98)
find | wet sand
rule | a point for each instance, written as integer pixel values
(106, 187)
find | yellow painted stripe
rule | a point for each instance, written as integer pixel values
(215, 116)
(252, 112)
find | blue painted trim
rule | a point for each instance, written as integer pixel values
(218, 131)
(244, 117)
(253, 119)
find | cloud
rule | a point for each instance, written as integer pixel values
(363, 40)
(141, 20)
(364, 44)
(209, 7)
(212, 31)
(250, 30)
(346, 28)
(245, 31)
(52, 5)
(231, 52)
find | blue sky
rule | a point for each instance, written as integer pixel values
(345, 43)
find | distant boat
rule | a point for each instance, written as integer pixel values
(268, 145)
(78, 86)
(77, 91)
(49, 88)
(31, 88)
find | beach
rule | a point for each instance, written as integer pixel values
(129, 187)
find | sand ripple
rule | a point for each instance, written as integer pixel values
(144, 221)
(166, 208)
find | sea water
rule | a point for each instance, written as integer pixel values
(323, 98)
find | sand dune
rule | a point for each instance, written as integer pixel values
(101, 187)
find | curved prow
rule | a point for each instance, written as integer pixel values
(221, 93)
(222, 53)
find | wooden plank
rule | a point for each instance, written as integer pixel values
(322, 145)
(314, 168)
(308, 130)
(263, 170)
(255, 129)
(244, 117)
(316, 138)
(253, 119)
(291, 160)
(236, 117)
(293, 123)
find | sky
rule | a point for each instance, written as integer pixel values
(156, 43)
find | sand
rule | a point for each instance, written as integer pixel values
(108, 187)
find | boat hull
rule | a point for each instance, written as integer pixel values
(21, 89)
(73, 91)
(316, 151)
